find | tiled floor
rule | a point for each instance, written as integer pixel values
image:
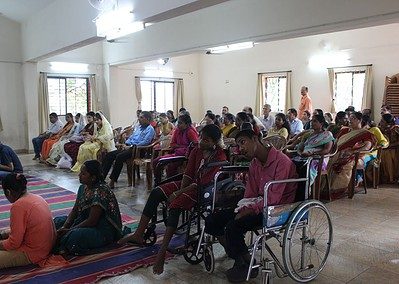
(365, 247)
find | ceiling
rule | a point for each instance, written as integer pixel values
(153, 10)
(21, 10)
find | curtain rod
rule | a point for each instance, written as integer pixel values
(67, 74)
(275, 72)
(352, 66)
(164, 78)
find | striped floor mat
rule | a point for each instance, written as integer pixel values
(81, 269)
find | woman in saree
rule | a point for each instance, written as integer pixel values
(72, 147)
(103, 138)
(350, 140)
(341, 121)
(48, 143)
(95, 220)
(318, 142)
(181, 195)
(57, 150)
(389, 156)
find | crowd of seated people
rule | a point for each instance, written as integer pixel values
(96, 223)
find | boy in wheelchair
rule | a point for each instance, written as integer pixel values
(181, 195)
(268, 164)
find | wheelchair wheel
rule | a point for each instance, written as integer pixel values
(209, 259)
(190, 251)
(307, 241)
(150, 236)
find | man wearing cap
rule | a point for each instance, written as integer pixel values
(267, 164)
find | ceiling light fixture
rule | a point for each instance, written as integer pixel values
(231, 47)
(117, 23)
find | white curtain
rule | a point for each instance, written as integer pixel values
(138, 91)
(260, 97)
(331, 80)
(95, 102)
(179, 95)
(367, 101)
(288, 95)
(43, 110)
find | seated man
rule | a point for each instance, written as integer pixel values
(141, 136)
(54, 127)
(268, 164)
(9, 161)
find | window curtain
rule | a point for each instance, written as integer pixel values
(288, 94)
(179, 95)
(138, 91)
(43, 110)
(95, 103)
(368, 89)
(331, 80)
(1, 125)
(260, 97)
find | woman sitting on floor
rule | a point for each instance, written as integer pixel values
(32, 233)
(181, 195)
(95, 220)
(103, 139)
(49, 142)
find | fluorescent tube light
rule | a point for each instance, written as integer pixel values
(231, 47)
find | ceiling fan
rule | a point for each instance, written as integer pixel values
(103, 5)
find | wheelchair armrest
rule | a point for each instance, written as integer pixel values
(172, 159)
(170, 179)
(234, 169)
(218, 164)
(270, 183)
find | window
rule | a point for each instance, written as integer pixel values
(156, 95)
(68, 94)
(349, 87)
(274, 90)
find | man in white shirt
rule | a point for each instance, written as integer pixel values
(248, 110)
(267, 119)
(295, 123)
(55, 126)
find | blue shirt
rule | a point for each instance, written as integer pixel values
(142, 136)
(8, 156)
(296, 126)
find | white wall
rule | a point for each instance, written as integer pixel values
(122, 97)
(230, 79)
(12, 106)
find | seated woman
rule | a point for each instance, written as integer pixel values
(182, 137)
(165, 132)
(319, 142)
(102, 139)
(229, 129)
(32, 233)
(58, 148)
(349, 141)
(49, 142)
(341, 121)
(281, 126)
(72, 147)
(268, 164)
(389, 156)
(95, 220)
(181, 195)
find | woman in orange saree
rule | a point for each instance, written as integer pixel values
(48, 143)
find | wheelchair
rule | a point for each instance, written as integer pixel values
(191, 220)
(303, 231)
